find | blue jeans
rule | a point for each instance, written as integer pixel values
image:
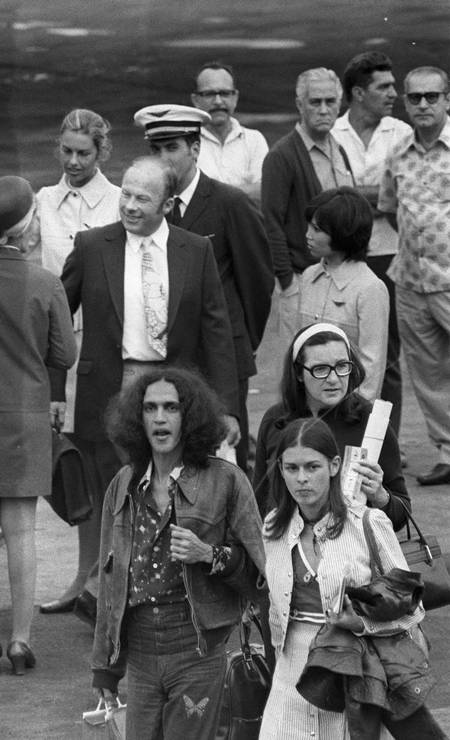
(173, 692)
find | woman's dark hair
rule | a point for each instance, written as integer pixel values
(293, 390)
(202, 425)
(346, 216)
(317, 435)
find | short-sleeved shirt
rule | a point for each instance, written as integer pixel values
(368, 165)
(238, 161)
(416, 186)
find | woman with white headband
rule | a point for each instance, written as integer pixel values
(36, 333)
(321, 376)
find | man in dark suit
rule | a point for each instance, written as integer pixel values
(233, 223)
(150, 293)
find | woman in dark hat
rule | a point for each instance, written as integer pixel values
(36, 331)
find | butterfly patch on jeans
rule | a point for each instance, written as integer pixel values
(195, 709)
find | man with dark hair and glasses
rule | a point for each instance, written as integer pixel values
(368, 131)
(229, 152)
(415, 191)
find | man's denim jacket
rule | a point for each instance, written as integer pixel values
(218, 505)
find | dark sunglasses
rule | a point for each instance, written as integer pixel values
(430, 97)
(210, 94)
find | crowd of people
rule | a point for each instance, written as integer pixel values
(169, 281)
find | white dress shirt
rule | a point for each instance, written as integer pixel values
(368, 167)
(186, 196)
(135, 344)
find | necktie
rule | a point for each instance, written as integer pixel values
(176, 213)
(155, 302)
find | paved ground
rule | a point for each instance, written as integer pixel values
(48, 702)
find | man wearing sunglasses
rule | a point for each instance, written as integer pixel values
(229, 152)
(415, 192)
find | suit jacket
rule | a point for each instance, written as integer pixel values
(36, 334)
(198, 326)
(235, 226)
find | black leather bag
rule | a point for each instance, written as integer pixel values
(423, 554)
(70, 496)
(247, 685)
(388, 596)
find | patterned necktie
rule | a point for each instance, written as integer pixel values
(176, 212)
(155, 302)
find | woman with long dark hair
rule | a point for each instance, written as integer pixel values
(312, 540)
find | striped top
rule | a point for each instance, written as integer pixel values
(346, 553)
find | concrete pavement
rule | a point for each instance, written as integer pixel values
(47, 703)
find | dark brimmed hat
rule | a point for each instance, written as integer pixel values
(16, 199)
(170, 121)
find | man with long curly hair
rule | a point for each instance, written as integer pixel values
(181, 551)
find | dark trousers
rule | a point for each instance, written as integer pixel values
(392, 384)
(173, 692)
(242, 447)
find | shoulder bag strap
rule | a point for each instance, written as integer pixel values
(375, 560)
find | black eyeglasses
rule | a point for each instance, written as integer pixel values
(210, 94)
(320, 372)
(430, 97)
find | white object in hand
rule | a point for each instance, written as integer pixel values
(377, 424)
(350, 479)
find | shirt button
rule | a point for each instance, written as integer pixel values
(75, 195)
(286, 593)
(155, 610)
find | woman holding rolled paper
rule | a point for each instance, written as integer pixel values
(322, 372)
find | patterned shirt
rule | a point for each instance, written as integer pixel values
(416, 186)
(154, 577)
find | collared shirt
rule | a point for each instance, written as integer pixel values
(416, 186)
(63, 210)
(135, 344)
(368, 166)
(154, 577)
(238, 160)
(185, 197)
(354, 298)
(327, 160)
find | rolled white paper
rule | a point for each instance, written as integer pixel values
(375, 433)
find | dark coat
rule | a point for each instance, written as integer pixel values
(346, 433)
(36, 333)
(198, 327)
(235, 226)
(344, 671)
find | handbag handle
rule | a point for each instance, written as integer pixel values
(244, 635)
(375, 560)
(410, 518)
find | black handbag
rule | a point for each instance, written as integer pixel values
(70, 495)
(388, 596)
(423, 554)
(247, 685)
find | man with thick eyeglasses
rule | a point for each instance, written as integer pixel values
(229, 152)
(415, 192)
(299, 166)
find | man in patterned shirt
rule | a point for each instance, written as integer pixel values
(415, 190)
